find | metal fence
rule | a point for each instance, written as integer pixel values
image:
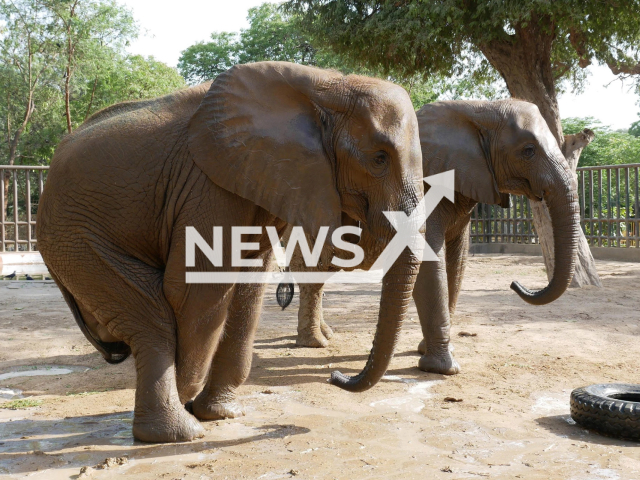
(20, 190)
(608, 211)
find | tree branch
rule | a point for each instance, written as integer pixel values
(579, 44)
(618, 68)
(560, 69)
(574, 144)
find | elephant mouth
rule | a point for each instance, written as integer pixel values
(521, 186)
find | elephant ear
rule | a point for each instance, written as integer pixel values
(452, 139)
(259, 134)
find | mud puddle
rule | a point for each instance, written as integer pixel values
(41, 370)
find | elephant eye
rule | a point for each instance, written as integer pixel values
(381, 159)
(529, 151)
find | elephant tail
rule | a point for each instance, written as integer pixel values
(113, 352)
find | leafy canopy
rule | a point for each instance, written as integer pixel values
(428, 37)
(36, 68)
(276, 35)
(635, 128)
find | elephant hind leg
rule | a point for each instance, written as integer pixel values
(112, 350)
(312, 330)
(457, 251)
(124, 295)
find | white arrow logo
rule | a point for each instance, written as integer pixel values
(408, 227)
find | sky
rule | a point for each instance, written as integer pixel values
(166, 31)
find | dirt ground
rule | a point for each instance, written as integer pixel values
(513, 420)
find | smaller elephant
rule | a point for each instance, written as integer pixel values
(497, 148)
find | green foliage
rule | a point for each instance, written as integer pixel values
(204, 61)
(50, 47)
(131, 77)
(635, 128)
(21, 404)
(428, 37)
(276, 35)
(271, 35)
(608, 148)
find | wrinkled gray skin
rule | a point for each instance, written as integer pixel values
(496, 148)
(265, 144)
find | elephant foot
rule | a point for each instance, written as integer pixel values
(174, 424)
(216, 410)
(312, 338)
(422, 347)
(326, 330)
(440, 362)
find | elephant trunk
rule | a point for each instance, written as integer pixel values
(562, 200)
(397, 287)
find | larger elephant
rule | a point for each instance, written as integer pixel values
(496, 148)
(265, 144)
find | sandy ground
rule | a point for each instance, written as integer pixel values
(513, 420)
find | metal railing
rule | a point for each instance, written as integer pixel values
(20, 190)
(492, 224)
(609, 211)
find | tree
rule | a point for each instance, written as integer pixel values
(274, 36)
(538, 47)
(60, 62)
(635, 128)
(130, 77)
(205, 61)
(92, 30)
(29, 49)
(277, 35)
(609, 147)
(271, 35)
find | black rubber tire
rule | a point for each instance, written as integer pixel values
(612, 409)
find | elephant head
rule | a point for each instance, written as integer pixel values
(308, 145)
(506, 147)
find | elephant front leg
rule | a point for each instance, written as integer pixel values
(432, 302)
(312, 329)
(232, 361)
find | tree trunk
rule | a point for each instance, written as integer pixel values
(93, 94)
(524, 61)
(69, 70)
(67, 86)
(13, 149)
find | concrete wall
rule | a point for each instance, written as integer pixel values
(599, 253)
(32, 263)
(23, 263)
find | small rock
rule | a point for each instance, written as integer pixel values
(112, 462)
(446, 470)
(467, 334)
(293, 472)
(268, 392)
(452, 399)
(86, 472)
